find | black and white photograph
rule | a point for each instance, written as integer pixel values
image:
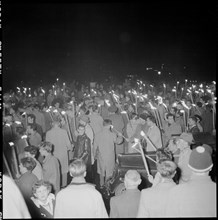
(108, 109)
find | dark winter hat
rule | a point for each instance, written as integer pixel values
(200, 160)
(112, 108)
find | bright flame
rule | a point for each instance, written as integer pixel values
(11, 143)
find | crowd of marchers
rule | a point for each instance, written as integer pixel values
(63, 138)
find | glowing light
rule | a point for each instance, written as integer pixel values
(107, 102)
(18, 122)
(11, 143)
(63, 112)
(24, 136)
(142, 134)
(152, 107)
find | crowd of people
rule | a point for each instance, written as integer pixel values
(63, 138)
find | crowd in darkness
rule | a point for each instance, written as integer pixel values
(65, 141)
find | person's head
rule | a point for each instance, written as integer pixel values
(199, 104)
(198, 117)
(189, 103)
(179, 106)
(56, 123)
(107, 123)
(132, 179)
(184, 140)
(163, 154)
(37, 106)
(20, 131)
(192, 121)
(31, 128)
(8, 118)
(46, 148)
(31, 118)
(94, 108)
(150, 120)
(84, 120)
(27, 164)
(173, 110)
(31, 151)
(112, 109)
(170, 118)
(81, 129)
(167, 169)
(200, 160)
(41, 189)
(77, 168)
(143, 118)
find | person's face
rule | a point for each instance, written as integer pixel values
(42, 151)
(149, 122)
(29, 130)
(22, 169)
(170, 120)
(167, 102)
(30, 120)
(172, 145)
(57, 105)
(11, 111)
(27, 154)
(42, 193)
(172, 111)
(181, 144)
(191, 122)
(179, 106)
(188, 103)
(9, 119)
(81, 130)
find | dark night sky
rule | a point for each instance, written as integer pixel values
(43, 41)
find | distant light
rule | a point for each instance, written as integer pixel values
(159, 72)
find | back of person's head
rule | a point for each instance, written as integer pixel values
(200, 160)
(107, 122)
(77, 168)
(167, 168)
(40, 183)
(29, 163)
(199, 104)
(151, 118)
(47, 146)
(56, 123)
(170, 115)
(163, 154)
(33, 150)
(132, 179)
